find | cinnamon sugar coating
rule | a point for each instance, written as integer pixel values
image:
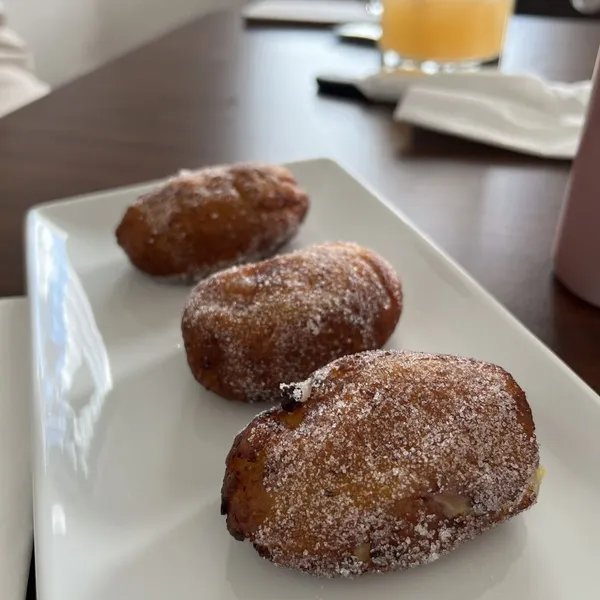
(249, 329)
(202, 221)
(382, 461)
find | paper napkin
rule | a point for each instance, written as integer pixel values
(521, 112)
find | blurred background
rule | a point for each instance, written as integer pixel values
(71, 37)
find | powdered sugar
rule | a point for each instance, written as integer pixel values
(354, 485)
(278, 320)
(299, 392)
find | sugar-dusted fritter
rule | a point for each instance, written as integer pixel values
(249, 329)
(381, 461)
(199, 222)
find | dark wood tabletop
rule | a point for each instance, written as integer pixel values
(214, 91)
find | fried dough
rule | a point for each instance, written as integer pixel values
(381, 461)
(202, 221)
(249, 329)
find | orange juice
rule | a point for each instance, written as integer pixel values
(445, 31)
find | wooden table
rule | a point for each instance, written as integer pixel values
(213, 92)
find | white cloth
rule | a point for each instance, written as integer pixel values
(521, 112)
(16, 526)
(18, 84)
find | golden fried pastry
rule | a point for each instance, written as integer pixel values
(249, 329)
(202, 221)
(381, 461)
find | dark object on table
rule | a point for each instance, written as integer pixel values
(339, 89)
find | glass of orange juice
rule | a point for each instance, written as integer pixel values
(443, 35)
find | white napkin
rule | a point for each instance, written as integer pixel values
(322, 12)
(524, 113)
(16, 526)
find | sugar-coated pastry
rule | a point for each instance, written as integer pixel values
(249, 329)
(381, 461)
(199, 222)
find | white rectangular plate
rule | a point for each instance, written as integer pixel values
(129, 450)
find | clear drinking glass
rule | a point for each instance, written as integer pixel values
(443, 35)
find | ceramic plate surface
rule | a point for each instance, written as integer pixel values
(129, 450)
